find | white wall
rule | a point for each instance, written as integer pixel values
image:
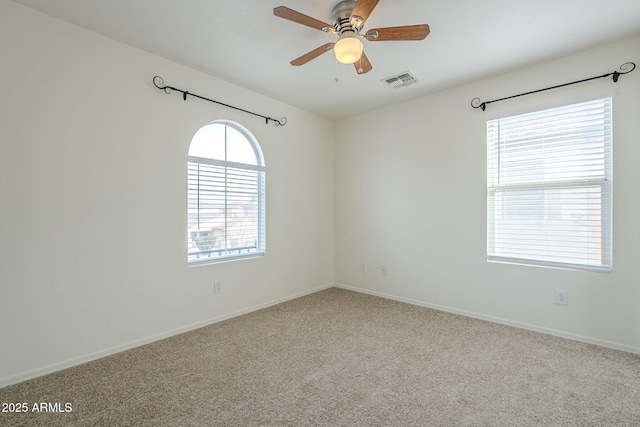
(92, 191)
(93, 198)
(410, 194)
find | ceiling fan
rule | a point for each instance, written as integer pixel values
(348, 18)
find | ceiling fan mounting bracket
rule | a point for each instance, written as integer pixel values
(372, 35)
(357, 22)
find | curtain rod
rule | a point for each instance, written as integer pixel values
(628, 66)
(159, 82)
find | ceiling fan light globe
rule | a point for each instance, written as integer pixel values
(348, 50)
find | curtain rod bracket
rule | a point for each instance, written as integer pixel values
(159, 83)
(625, 68)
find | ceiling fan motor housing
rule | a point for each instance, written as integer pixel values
(341, 15)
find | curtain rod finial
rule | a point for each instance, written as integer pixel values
(476, 103)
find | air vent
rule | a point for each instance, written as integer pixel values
(400, 80)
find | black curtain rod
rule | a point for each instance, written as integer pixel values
(159, 82)
(628, 66)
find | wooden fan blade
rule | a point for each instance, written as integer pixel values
(409, 32)
(363, 66)
(312, 55)
(292, 15)
(363, 9)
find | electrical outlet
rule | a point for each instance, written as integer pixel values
(562, 297)
(363, 267)
(383, 270)
(217, 288)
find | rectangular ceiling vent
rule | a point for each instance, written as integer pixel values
(400, 80)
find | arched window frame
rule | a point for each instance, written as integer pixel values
(225, 199)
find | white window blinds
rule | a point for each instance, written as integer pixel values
(225, 194)
(549, 182)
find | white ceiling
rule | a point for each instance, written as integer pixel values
(241, 41)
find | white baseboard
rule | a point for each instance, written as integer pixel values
(14, 379)
(535, 328)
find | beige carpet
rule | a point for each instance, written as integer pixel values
(339, 358)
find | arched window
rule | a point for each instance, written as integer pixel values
(225, 194)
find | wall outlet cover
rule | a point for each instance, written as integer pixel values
(562, 297)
